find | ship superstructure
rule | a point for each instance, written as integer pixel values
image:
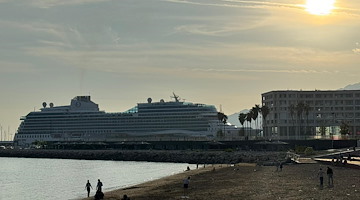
(83, 121)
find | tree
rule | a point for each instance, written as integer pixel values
(292, 110)
(249, 118)
(264, 110)
(306, 110)
(222, 118)
(344, 128)
(255, 111)
(242, 119)
(299, 111)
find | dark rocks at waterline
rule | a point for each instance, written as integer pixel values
(192, 157)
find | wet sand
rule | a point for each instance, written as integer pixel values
(247, 181)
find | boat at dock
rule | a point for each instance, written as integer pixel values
(82, 120)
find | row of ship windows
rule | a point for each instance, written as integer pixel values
(45, 130)
(32, 136)
(67, 115)
(107, 125)
(121, 120)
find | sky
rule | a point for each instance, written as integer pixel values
(219, 52)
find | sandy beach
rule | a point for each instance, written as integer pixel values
(248, 181)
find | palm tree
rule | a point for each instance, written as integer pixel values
(255, 110)
(300, 109)
(249, 116)
(292, 109)
(222, 118)
(242, 118)
(264, 110)
(306, 110)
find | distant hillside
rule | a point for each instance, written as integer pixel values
(355, 86)
(234, 119)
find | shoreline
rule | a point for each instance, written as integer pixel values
(146, 187)
(174, 156)
(247, 181)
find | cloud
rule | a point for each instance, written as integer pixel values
(285, 71)
(54, 3)
(263, 5)
(241, 4)
(213, 30)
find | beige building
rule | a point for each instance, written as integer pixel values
(312, 114)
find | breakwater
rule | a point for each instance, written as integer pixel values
(192, 157)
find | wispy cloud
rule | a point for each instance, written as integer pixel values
(262, 5)
(53, 3)
(217, 30)
(240, 4)
(35, 27)
(44, 33)
(286, 71)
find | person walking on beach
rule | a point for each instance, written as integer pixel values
(321, 176)
(186, 184)
(88, 186)
(99, 185)
(329, 173)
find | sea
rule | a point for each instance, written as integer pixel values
(61, 179)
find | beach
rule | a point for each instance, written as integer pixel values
(248, 181)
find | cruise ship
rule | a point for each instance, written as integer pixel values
(83, 121)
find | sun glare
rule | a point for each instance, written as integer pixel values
(320, 7)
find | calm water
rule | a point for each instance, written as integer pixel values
(30, 178)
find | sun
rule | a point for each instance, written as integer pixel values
(320, 7)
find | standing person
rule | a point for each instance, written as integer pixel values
(186, 184)
(281, 166)
(88, 186)
(99, 185)
(329, 173)
(321, 176)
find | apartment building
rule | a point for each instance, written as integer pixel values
(312, 114)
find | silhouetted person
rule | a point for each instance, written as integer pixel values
(88, 186)
(330, 173)
(99, 185)
(99, 195)
(186, 184)
(321, 176)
